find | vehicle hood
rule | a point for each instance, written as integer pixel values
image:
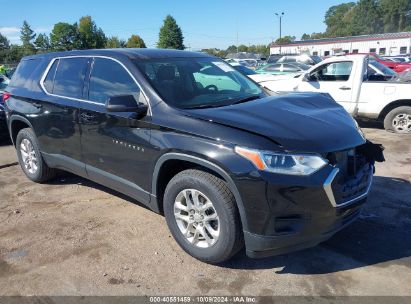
(305, 122)
(399, 68)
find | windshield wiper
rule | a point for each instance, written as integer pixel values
(249, 98)
(204, 106)
(223, 104)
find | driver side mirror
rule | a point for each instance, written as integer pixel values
(310, 77)
(126, 103)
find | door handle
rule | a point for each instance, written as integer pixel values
(345, 88)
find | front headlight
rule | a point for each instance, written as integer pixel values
(283, 163)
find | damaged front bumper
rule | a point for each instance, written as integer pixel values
(313, 209)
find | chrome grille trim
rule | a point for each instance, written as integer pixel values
(330, 194)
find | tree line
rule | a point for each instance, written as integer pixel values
(262, 49)
(362, 18)
(82, 35)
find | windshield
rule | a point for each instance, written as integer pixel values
(302, 66)
(383, 69)
(198, 82)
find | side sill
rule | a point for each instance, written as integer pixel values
(101, 177)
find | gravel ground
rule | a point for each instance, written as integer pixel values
(74, 237)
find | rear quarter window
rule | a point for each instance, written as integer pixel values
(25, 73)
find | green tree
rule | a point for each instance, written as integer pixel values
(222, 53)
(14, 54)
(114, 43)
(232, 49)
(170, 36)
(27, 35)
(396, 15)
(338, 21)
(4, 42)
(4, 48)
(366, 18)
(242, 48)
(64, 36)
(135, 41)
(306, 36)
(262, 49)
(318, 35)
(89, 35)
(42, 43)
(212, 52)
(285, 40)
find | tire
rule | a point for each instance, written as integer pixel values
(204, 186)
(41, 172)
(398, 120)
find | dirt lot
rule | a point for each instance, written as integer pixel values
(74, 237)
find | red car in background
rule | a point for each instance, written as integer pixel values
(398, 67)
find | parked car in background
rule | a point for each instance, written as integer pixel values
(283, 68)
(250, 63)
(378, 71)
(262, 79)
(3, 124)
(362, 95)
(396, 66)
(188, 136)
(4, 81)
(293, 58)
(398, 58)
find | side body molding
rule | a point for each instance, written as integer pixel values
(205, 163)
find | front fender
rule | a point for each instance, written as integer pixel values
(207, 164)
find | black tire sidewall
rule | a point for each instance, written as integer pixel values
(391, 115)
(226, 239)
(28, 134)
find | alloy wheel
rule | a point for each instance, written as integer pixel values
(28, 156)
(197, 218)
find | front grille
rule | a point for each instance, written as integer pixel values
(353, 178)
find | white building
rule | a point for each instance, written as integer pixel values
(383, 44)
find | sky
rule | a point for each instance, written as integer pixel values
(205, 24)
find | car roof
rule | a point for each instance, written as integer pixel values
(138, 54)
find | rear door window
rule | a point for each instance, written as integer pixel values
(69, 78)
(108, 78)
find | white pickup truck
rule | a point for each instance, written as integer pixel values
(355, 86)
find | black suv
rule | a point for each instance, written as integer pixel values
(190, 137)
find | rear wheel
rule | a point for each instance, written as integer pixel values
(398, 120)
(30, 158)
(202, 216)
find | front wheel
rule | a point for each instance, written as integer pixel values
(202, 216)
(398, 120)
